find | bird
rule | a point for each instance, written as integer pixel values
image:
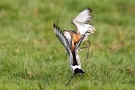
(75, 63)
(72, 40)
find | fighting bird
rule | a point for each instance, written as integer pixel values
(71, 40)
(73, 54)
(75, 63)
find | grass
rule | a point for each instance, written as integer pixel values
(32, 58)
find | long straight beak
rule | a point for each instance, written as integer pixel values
(70, 79)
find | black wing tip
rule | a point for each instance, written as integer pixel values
(58, 29)
(55, 26)
(89, 9)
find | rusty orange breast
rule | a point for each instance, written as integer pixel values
(76, 37)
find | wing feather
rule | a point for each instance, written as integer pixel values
(63, 40)
(82, 20)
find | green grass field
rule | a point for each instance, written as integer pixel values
(32, 58)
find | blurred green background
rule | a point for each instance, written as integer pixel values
(31, 57)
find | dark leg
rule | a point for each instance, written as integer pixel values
(86, 46)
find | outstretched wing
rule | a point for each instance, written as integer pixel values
(82, 20)
(63, 40)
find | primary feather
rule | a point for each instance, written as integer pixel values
(82, 20)
(63, 40)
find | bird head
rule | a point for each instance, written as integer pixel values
(78, 71)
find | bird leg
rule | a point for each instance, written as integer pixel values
(86, 46)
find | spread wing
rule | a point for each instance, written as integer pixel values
(63, 40)
(82, 20)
